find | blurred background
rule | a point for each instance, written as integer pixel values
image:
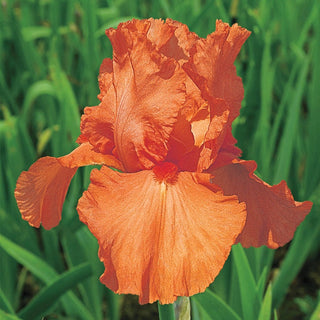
(50, 54)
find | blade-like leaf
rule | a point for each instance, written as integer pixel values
(44, 272)
(266, 311)
(248, 289)
(213, 306)
(50, 294)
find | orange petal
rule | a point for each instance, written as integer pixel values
(160, 33)
(105, 77)
(97, 127)
(228, 151)
(150, 91)
(214, 136)
(40, 191)
(97, 122)
(273, 215)
(158, 239)
(211, 65)
(179, 45)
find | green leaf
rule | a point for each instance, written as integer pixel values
(266, 307)
(4, 303)
(35, 264)
(248, 289)
(316, 312)
(306, 235)
(213, 306)
(50, 294)
(44, 272)
(289, 136)
(6, 316)
(166, 311)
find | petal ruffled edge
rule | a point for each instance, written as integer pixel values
(40, 192)
(160, 240)
(272, 213)
(97, 127)
(211, 65)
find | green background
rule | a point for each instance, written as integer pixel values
(50, 53)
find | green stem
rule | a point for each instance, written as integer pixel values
(166, 311)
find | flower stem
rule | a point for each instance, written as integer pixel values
(166, 311)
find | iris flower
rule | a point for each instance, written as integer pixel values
(166, 222)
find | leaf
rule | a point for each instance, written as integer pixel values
(266, 307)
(166, 311)
(248, 289)
(6, 316)
(213, 306)
(44, 272)
(4, 303)
(50, 294)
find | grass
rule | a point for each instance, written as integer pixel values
(50, 57)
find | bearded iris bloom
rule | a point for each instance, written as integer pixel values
(166, 222)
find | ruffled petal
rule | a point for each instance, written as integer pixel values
(40, 191)
(228, 152)
(105, 77)
(160, 240)
(97, 127)
(211, 65)
(160, 33)
(214, 136)
(272, 213)
(150, 91)
(179, 45)
(97, 122)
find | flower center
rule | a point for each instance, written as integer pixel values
(165, 172)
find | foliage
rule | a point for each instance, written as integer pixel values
(50, 55)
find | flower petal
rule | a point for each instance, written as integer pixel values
(211, 65)
(272, 213)
(150, 91)
(97, 127)
(179, 45)
(40, 191)
(228, 152)
(105, 77)
(160, 240)
(214, 136)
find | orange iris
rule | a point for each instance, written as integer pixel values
(166, 223)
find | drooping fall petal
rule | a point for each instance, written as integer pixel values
(272, 213)
(160, 236)
(150, 91)
(40, 191)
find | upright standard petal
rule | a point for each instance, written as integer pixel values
(211, 65)
(272, 213)
(40, 191)
(105, 77)
(161, 233)
(150, 91)
(97, 127)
